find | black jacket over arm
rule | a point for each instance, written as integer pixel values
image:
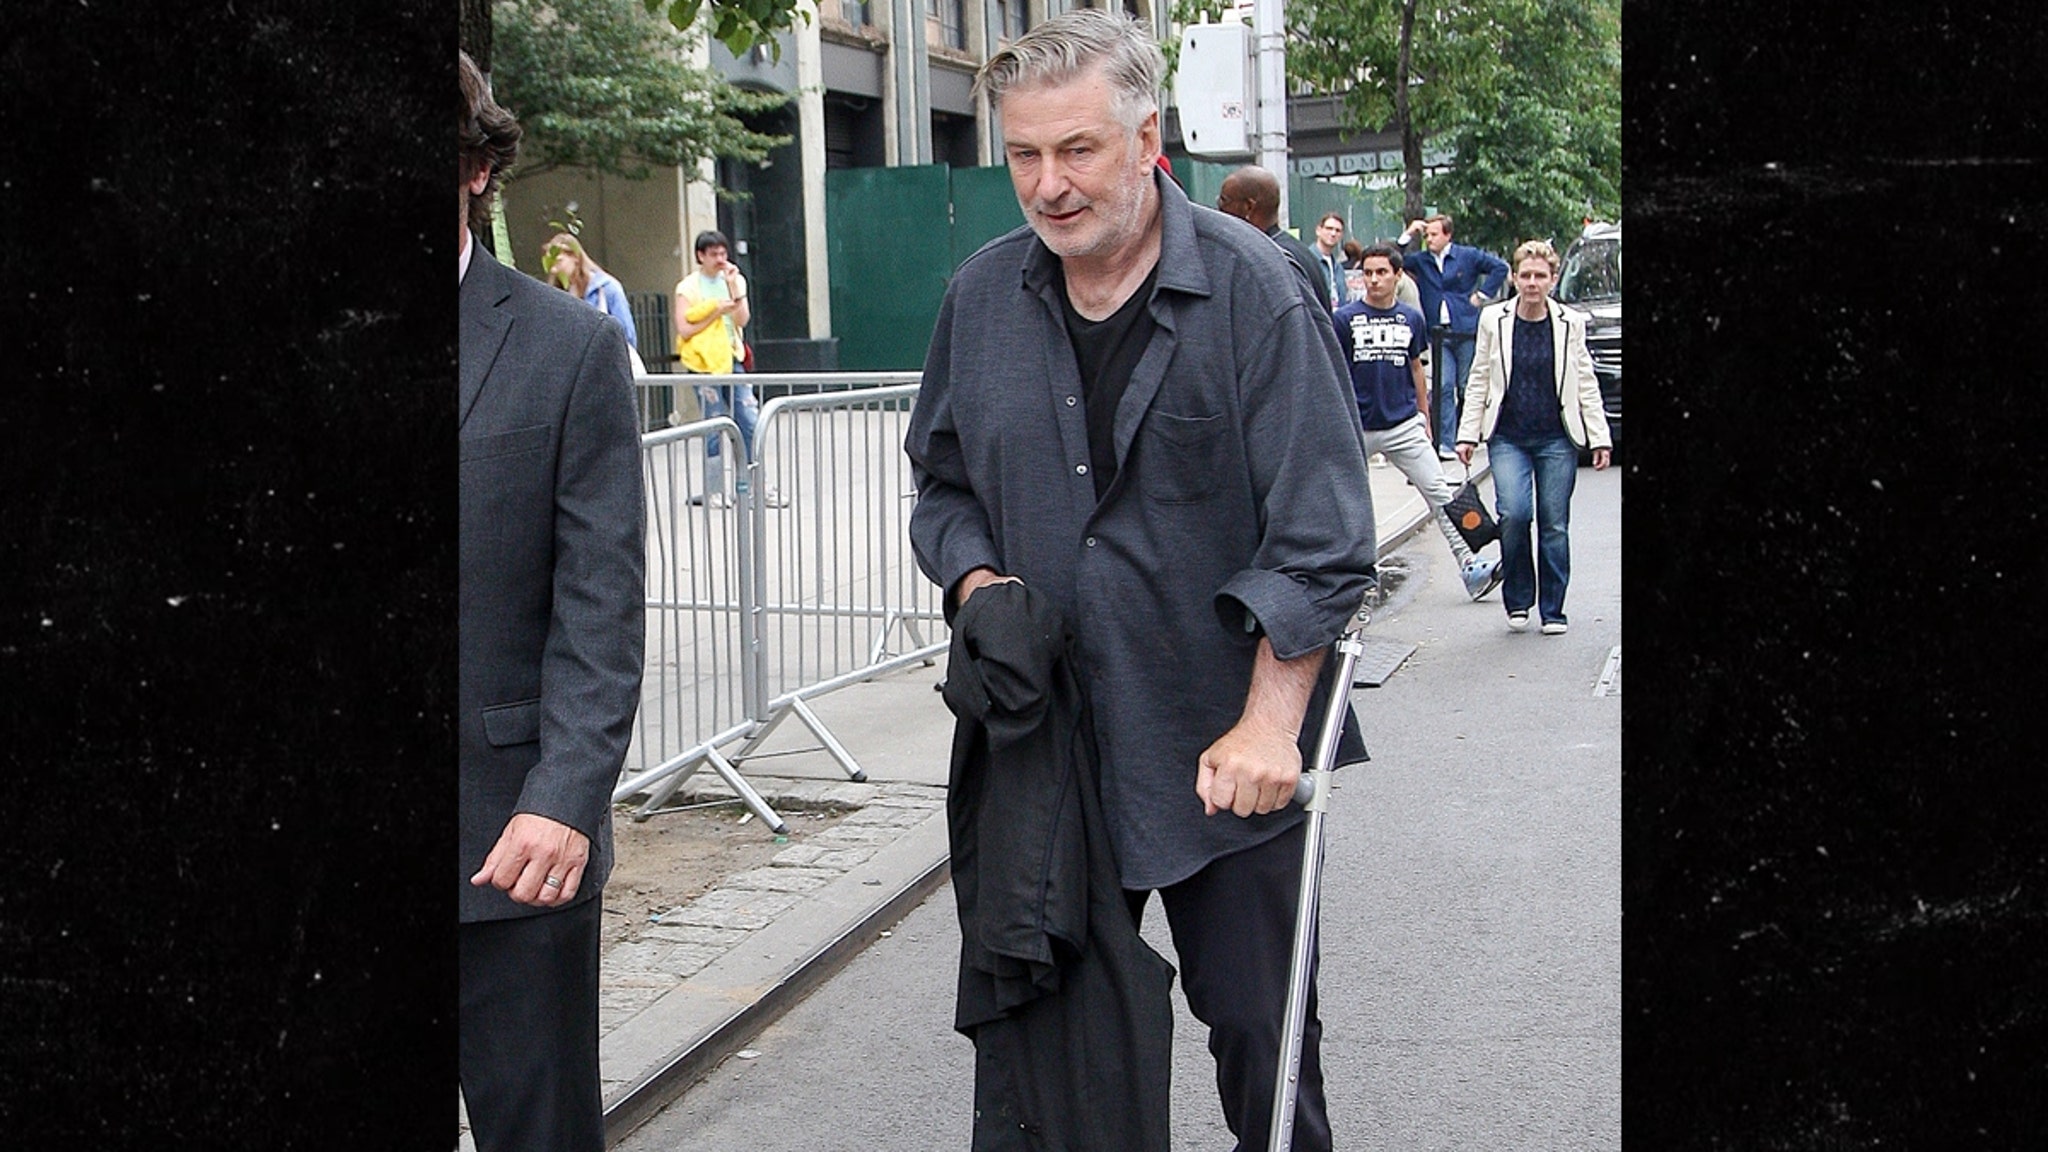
(1068, 1008)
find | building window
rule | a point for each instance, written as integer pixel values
(1015, 16)
(953, 140)
(945, 24)
(854, 12)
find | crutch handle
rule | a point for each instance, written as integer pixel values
(1304, 789)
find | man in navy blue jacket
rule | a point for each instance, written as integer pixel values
(1454, 281)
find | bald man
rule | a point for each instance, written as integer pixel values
(1252, 194)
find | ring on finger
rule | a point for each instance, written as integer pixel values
(553, 881)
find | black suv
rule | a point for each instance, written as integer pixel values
(1591, 282)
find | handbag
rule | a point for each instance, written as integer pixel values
(1469, 516)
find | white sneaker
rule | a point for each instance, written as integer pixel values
(1553, 628)
(773, 498)
(1518, 621)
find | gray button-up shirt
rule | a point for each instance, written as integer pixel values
(1241, 496)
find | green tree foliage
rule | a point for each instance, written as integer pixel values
(1546, 154)
(738, 24)
(1528, 93)
(601, 84)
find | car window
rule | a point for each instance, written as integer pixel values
(1592, 272)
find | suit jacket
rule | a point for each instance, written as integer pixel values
(1303, 259)
(1465, 270)
(552, 569)
(1578, 390)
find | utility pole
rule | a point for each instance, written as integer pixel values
(1269, 27)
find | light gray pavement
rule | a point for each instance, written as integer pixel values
(1471, 917)
(709, 976)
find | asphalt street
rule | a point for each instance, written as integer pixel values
(1471, 917)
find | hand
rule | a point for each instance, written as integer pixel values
(1415, 228)
(531, 850)
(1464, 452)
(728, 306)
(1250, 769)
(1477, 298)
(1600, 458)
(979, 577)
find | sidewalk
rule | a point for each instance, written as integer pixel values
(709, 976)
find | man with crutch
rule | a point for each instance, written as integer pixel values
(1133, 408)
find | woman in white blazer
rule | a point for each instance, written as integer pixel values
(1533, 399)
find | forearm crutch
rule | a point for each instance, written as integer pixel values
(1313, 793)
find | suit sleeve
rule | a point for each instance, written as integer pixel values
(949, 527)
(591, 665)
(1493, 271)
(1587, 386)
(1484, 383)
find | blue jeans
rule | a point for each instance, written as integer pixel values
(1552, 467)
(719, 400)
(1454, 352)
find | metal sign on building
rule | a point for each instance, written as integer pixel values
(1213, 90)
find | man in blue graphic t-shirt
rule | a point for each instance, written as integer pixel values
(1383, 341)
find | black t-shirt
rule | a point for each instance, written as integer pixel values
(1107, 352)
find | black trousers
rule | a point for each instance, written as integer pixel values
(1233, 928)
(528, 1023)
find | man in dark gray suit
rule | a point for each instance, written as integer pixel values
(551, 642)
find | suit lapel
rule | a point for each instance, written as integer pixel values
(1504, 345)
(484, 328)
(1559, 345)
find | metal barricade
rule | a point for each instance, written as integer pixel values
(753, 608)
(694, 696)
(838, 596)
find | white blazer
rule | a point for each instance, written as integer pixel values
(1578, 390)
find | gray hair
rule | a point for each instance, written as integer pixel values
(1073, 42)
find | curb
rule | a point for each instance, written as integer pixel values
(752, 990)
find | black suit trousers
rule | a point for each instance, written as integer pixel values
(529, 1031)
(1233, 930)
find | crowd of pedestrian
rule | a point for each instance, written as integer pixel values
(1417, 301)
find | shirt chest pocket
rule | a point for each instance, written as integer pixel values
(1181, 458)
(517, 442)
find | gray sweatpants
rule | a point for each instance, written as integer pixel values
(1406, 446)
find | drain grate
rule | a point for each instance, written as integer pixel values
(1378, 662)
(1610, 676)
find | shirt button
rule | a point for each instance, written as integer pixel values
(1091, 541)
(1071, 401)
(1080, 469)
